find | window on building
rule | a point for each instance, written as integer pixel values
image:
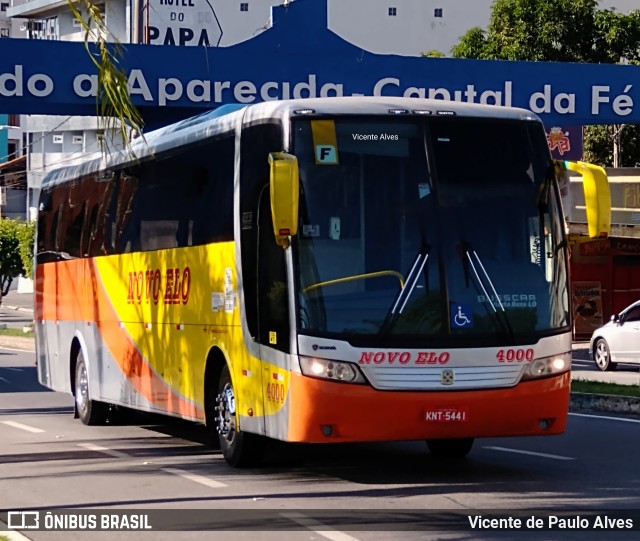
(58, 139)
(14, 120)
(244, 6)
(103, 11)
(393, 12)
(4, 6)
(437, 12)
(34, 26)
(4, 32)
(77, 139)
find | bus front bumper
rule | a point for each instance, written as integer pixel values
(328, 412)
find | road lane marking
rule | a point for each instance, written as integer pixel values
(318, 527)
(18, 350)
(623, 419)
(532, 453)
(104, 450)
(23, 427)
(174, 471)
(195, 478)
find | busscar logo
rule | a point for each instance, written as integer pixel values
(316, 347)
(23, 520)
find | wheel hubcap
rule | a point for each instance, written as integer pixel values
(226, 408)
(82, 390)
(601, 355)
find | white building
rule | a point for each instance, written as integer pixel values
(404, 27)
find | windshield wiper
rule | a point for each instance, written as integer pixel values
(405, 293)
(470, 259)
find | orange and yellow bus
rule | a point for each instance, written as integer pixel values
(322, 271)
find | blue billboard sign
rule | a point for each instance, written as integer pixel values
(300, 57)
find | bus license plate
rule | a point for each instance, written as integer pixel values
(446, 415)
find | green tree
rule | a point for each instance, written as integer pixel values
(553, 31)
(598, 148)
(433, 53)
(472, 45)
(26, 239)
(11, 265)
(563, 31)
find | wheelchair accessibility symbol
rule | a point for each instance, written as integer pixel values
(461, 316)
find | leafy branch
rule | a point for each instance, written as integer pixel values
(113, 101)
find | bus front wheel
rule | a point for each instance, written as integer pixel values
(89, 411)
(451, 448)
(240, 449)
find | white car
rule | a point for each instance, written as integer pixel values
(617, 341)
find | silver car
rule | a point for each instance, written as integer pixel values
(617, 341)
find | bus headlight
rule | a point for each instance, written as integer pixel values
(333, 370)
(548, 366)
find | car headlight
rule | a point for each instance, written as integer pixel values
(333, 370)
(548, 366)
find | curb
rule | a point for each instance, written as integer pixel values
(603, 403)
(18, 342)
(16, 308)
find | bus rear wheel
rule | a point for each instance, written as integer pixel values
(240, 449)
(89, 411)
(451, 448)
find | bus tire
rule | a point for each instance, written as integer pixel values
(89, 411)
(239, 449)
(450, 448)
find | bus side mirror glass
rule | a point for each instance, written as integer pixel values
(284, 189)
(597, 196)
(615, 318)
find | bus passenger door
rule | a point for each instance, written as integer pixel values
(273, 321)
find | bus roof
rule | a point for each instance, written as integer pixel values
(226, 117)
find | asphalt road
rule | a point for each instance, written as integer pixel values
(50, 461)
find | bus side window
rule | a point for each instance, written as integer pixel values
(194, 225)
(63, 215)
(97, 243)
(45, 219)
(74, 225)
(127, 234)
(210, 195)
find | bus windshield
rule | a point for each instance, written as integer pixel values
(428, 231)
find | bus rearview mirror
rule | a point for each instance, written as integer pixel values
(284, 190)
(597, 196)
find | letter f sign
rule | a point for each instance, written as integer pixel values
(326, 154)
